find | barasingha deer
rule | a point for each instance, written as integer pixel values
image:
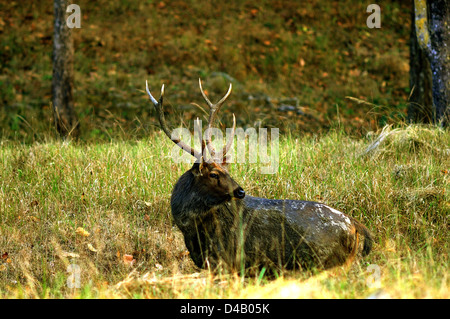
(224, 227)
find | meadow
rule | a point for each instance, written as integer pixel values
(96, 211)
(106, 208)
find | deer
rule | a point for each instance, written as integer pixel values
(224, 228)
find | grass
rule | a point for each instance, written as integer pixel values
(102, 202)
(105, 208)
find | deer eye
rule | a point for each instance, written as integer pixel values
(213, 175)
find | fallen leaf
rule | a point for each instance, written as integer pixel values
(67, 254)
(302, 62)
(82, 232)
(129, 260)
(5, 255)
(91, 248)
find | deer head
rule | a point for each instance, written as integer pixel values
(215, 183)
(212, 179)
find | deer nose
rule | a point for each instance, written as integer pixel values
(239, 193)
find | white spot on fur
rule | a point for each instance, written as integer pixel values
(344, 225)
(347, 220)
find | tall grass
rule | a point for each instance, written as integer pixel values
(105, 207)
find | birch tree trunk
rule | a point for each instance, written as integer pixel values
(431, 23)
(420, 107)
(66, 119)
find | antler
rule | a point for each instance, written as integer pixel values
(165, 128)
(213, 110)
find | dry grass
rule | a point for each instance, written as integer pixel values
(105, 207)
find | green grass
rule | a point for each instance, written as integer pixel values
(119, 193)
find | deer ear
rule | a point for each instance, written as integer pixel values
(196, 169)
(225, 164)
(199, 168)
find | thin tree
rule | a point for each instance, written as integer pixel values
(429, 61)
(66, 119)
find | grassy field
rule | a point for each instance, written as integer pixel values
(105, 208)
(102, 202)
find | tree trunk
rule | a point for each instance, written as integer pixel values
(420, 107)
(431, 19)
(66, 119)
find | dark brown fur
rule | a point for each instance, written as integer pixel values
(250, 232)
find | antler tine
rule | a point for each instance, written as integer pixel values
(213, 110)
(227, 147)
(218, 104)
(165, 128)
(204, 95)
(155, 103)
(202, 142)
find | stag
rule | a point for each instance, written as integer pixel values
(223, 227)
